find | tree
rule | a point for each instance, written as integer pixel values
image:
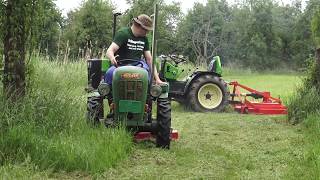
(315, 24)
(316, 36)
(285, 19)
(2, 15)
(261, 47)
(45, 29)
(15, 37)
(88, 29)
(236, 30)
(202, 30)
(168, 18)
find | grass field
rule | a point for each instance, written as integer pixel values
(211, 145)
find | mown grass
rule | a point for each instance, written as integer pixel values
(47, 128)
(309, 167)
(312, 158)
(218, 146)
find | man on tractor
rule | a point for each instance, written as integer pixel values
(128, 47)
(129, 88)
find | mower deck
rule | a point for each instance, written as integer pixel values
(269, 105)
(146, 136)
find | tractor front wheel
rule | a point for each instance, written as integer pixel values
(208, 93)
(94, 110)
(164, 123)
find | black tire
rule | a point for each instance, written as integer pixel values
(164, 123)
(206, 81)
(94, 110)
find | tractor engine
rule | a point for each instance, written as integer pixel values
(129, 91)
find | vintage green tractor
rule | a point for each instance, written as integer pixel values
(203, 91)
(131, 97)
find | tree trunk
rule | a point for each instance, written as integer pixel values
(318, 56)
(14, 49)
(66, 55)
(58, 51)
(317, 78)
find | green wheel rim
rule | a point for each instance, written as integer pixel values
(210, 96)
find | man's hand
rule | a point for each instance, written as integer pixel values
(110, 53)
(158, 81)
(114, 61)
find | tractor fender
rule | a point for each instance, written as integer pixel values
(195, 76)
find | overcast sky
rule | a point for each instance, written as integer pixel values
(67, 5)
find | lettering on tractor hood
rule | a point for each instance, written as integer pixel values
(131, 76)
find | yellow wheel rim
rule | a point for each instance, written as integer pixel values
(210, 96)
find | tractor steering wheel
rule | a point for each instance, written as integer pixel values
(125, 62)
(177, 59)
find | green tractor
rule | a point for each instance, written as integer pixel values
(132, 101)
(131, 98)
(202, 91)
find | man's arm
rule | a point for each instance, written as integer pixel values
(113, 48)
(147, 55)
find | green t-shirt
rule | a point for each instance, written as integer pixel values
(131, 47)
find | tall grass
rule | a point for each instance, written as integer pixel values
(305, 102)
(48, 126)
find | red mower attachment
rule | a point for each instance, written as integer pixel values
(147, 136)
(269, 105)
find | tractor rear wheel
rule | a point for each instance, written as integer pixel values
(94, 110)
(164, 123)
(208, 93)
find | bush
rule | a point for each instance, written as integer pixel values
(306, 100)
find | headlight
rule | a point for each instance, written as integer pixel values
(155, 90)
(103, 89)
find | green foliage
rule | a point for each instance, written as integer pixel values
(46, 22)
(261, 37)
(306, 101)
(47, 128)
(89, 28)
(202, 32)
(316, 28)
(2, 15)
(169, 16)
(286, 19)
(253, 34)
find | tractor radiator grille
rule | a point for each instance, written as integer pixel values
(130, 90)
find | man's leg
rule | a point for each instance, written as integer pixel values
(146, 67)
(108, 75)
(108, 79)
